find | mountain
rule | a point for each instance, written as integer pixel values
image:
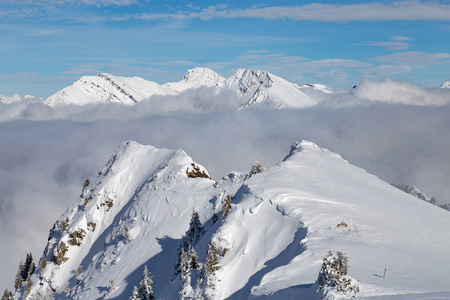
(263, 234)
(256, 87)
(195, 78)
(264, 88)
(416, 192)
(107, 88)
(14, 98)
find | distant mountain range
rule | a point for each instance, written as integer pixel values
(255, 87)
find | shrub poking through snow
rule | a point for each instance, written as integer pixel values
(226, 207)
(58, 257)
(256, 168)
(76, 237)
(333, 277)
(195, 172)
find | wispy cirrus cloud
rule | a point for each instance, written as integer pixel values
(415, 58)
(395, 43)
(97, 3)
(374, 11)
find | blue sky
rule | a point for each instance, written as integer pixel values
(46, 45)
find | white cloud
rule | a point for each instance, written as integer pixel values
(374, 11)
(394, 44)
(403, 92)
(382, 71)
(415, 58)
(338, 75)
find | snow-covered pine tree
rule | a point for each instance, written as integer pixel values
(135, 295)
(194, 233)
(209, 274)
(185, 276)
(146, 287)
(333, 275)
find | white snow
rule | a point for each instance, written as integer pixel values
(282, 223)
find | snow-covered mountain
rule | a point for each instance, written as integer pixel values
(14, 98)
(107, 88)
(416, 192)
(268, 242)
(256, 87)
(265, 88)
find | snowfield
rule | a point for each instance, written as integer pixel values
(281, 225)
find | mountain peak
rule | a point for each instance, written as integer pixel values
(201, 74)
(446, 85)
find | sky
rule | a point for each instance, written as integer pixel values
(46, 45)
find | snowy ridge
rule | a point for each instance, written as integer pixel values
(416, 192)
(267, 89)
(317, 87)
(106, 88)
(195, 78)
(256, 87)
(280, 226)
(14, 98)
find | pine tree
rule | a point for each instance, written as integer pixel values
(209, 274)
(79, 272)
(28, 285)
(333, 275)
(146, 287)
(7, 295)
(190, 239)
(18, 281)
(135, 295)
(185, 277)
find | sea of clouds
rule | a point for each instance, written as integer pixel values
(395, 130)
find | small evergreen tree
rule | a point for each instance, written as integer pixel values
(256, 168)
(28, 286)
(190, 239)
(67, 291)
(135, 295)
(79, 272)
(333, 275)
(211, 267)
(18, 281)
(43, 263)
(146, 287)
(7, 295)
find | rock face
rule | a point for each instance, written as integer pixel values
(255, 87)
(258, 235)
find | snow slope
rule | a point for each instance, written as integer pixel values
(281, 225)
(254, 86)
